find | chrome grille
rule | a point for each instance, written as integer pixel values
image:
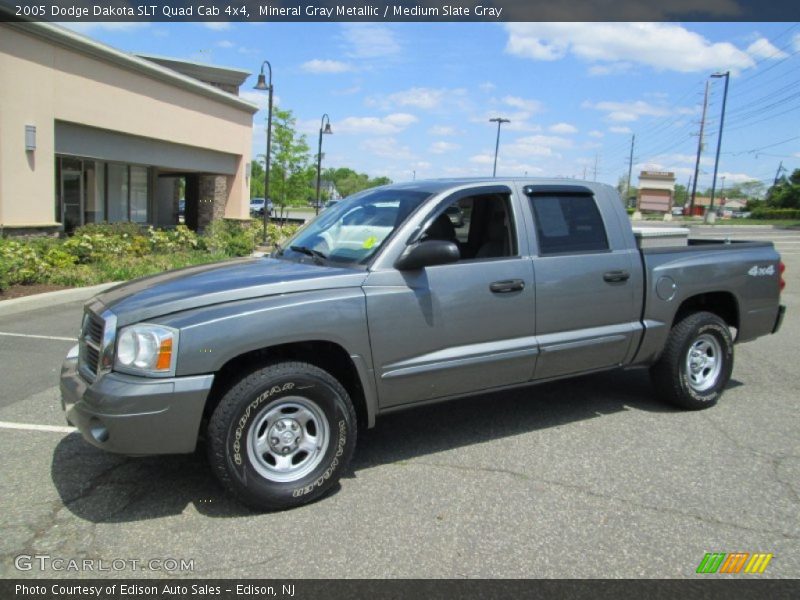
(91, 342)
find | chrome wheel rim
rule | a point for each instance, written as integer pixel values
(704, 363)
(288, 439)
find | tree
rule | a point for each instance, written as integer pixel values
(681, 195)
(349, 182)
(291, 173)
(257, 178)
(785, 193)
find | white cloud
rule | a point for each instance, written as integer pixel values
(259, 98)
(387, 147)
(418, 97)
(217, 25)
(662, 46)
(442, 147)
(87, 28)
(442, 130)
(796, 41)
(762, 48)
(389, 124)
(522, 103)
(620, 129)
(505, 167)
(225, 44)
(325, 66)
(422, 98)
(596, 134)
(536, 145)
(369, 40)
(562, 128)
(487, 86)
(633, 110)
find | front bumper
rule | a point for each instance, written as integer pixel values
(135, 415)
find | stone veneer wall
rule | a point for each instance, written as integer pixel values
(213, 195)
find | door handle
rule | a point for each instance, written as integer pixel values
(616, 276)
(509, 285)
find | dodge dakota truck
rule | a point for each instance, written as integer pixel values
(385, 302)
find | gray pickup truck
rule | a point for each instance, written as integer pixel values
(394, 298)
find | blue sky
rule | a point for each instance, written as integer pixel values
(405, 97)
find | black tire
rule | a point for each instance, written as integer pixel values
(246, 441)
(689, 381)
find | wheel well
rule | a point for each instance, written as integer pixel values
(326, 355)
(722, 304)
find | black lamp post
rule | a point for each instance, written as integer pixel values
(499, 122)
(324, 128)
(264, 85)
(727, 76)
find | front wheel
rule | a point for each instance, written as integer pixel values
(282, 436)
(696, 363)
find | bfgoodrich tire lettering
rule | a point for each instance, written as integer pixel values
(696, 363)
(282, 436)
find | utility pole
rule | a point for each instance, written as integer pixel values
(499, 121)
(630, 168)
(595, 166)
(699, 151)
(778, 173)
(584, 172)
(727, 76)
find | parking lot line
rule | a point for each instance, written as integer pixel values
(32, 427)
(39, 337)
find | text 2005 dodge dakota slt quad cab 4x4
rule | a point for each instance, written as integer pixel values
(384, 302)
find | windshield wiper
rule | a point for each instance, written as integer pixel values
(315, 254)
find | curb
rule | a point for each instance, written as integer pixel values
(26, 303)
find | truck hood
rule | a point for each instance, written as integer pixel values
(216, 283)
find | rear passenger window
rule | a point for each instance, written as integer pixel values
(568, 224)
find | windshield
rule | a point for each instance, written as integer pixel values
(354, 229)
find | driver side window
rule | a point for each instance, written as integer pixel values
(482, 227)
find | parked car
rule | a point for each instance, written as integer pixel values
(740, 214)
(375, 306)
(456, 215)
(330, 203)
(677, 211)
(257, 206)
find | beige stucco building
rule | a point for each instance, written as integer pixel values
(655, 192)
(89, 133)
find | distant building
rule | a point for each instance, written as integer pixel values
(328, 190)
(93, 134)
(656, 191)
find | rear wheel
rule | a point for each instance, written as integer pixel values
(282, 436)
(696, 363)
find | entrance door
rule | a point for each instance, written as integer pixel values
(71, 194)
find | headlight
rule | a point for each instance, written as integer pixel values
(147, 350)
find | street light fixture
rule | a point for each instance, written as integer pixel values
(727, 75)
(264, 85)
(499, 122)
(324, 128)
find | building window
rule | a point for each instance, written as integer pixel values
(117, 193)
(89, 191)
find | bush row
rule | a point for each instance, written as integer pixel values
(775, 213)
(120, 251)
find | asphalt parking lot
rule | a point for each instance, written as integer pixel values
(591, 477)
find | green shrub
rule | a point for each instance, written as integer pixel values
(231, 238)
(111, 229)
(776, 213)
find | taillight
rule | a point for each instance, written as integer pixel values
(781, 269)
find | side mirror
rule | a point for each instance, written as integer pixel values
(428, 254)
